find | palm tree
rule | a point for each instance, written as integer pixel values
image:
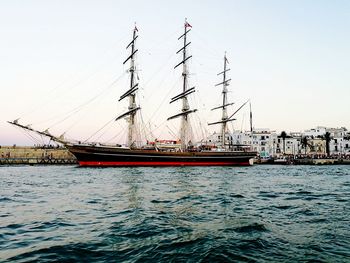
(327, 137)
(284, 136)
(304, 143)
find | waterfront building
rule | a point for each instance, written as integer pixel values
(263, 141)
(290, 146)
(338, 140)
(346, 144)
(339, 143)
(268, 143)
(316, 132)
(317, 146)
(214, 140)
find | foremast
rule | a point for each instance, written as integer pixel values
(186, 110)
(131, 92)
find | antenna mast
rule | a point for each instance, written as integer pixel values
(185, 125)
(251, 118)
(133, 108)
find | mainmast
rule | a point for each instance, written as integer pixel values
(133, 108)
(185, 111)
(224, 118)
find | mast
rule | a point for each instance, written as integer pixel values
(185, 111)
(131, 92)
(251, 117)
(225, 104)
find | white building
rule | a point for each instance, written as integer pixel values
(263, 141)
(317, 132)
(268, 143)
(337, 144)
(215, 139)
(346, 143)
(340, 139)
(292, 145)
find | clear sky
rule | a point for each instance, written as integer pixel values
(290, 58)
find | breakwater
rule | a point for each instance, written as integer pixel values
(35, 155)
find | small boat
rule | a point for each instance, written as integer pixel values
(283, 160)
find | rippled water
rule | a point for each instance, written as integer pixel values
(185, 214)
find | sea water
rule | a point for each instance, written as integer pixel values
(179, 214)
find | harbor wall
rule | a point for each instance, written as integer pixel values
(35, 155)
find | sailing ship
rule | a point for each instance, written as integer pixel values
(176, 153)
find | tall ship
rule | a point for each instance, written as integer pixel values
(180, 152)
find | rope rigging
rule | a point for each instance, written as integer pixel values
(110, 121)
(57, 90)
(81, 106)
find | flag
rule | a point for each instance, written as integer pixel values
(136, 29)
(187, 24)
(226, 60)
